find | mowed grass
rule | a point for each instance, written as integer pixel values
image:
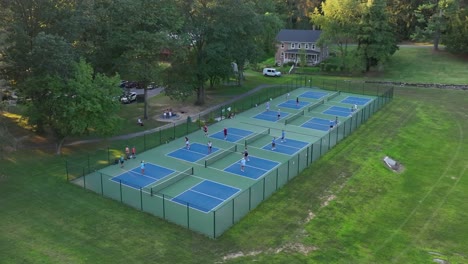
(421, 64)
(373, 215)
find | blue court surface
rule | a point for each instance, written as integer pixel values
(293, 105)
(313, 95)
(135, 179)
(206, 195)
(338, 111)
(318, 124)
(234, 134)
(254, 169)
(355, 100)
(195, 153)
(290, 146)
(271, 116)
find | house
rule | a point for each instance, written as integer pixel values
(290, 42)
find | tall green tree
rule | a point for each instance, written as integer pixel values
(339, 21)
(433, 18)
(456, 40)
(375, 37)
(295, 13)
(74, 106)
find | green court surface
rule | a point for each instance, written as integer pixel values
(208, 192)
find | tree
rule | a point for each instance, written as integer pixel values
(456, 40)
(375, 38)
(339, 21)
(150, 34)
(433, 20)
(295, 13)
(77, 105)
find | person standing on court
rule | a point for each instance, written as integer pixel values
(336, 121)
(122, 160)
(273, 143)
(242, 164)
(210, 147)
(187, 143)
(133, 152)
(268, 106)
(205, 129)
(283, 138)
(331, 124)
(225, 133)
(297, 101)
(142, 167)
(279, 114)
(246, 155)
(127, 152)
(287, 96)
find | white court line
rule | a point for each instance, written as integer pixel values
(216, 183)
(204, 194)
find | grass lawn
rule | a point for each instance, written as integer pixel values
(421, 64)
(345, 208)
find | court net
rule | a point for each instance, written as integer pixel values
(333, 95)
(220, 155)
(165, 182)
(288, 120)
(317, 104)
(256, 137)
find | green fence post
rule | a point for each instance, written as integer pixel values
(89, 166)
(102, 186)
(120, 185)
(320, 153)
(263, 188)
(329, 140)
(288, 171)
(214, 224)
(298, 160)
(250, 198)
(188, 216)
(141, 199)
(277, 171)
(164, 206)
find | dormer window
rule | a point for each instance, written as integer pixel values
(307, 46)
(313, 46)
(293, 45)
(282, 45)
(299, 45)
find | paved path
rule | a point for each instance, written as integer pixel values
(152, 130)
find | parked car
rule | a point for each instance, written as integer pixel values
(152, 86)
(128, 97)
(271, 72)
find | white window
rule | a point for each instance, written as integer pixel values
(313, 46)
(282, 45)
(299, 45)
(293, 45)
(307, 46)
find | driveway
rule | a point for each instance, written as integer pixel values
(151, 93)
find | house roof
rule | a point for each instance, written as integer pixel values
(298, 35)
